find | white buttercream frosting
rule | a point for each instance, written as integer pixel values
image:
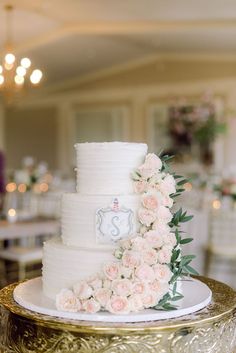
(105, 168)
(63, 265)
(78, 219)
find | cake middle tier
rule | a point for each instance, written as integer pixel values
(98, 221)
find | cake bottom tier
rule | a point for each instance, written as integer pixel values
(64, 265)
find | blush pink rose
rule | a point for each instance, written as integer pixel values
(122, 287)
(126, 272)
(150, 299)
(118, 305)
(162, 273)
(160, 288)
(167, 201)
(131, 258)
(145, 273)
(150, 201)
(139, 287)
(149, 256)
(102, 295)
(95, 282)
(170, 239)
(147, 217)
(168, 186)
(164, 255)
(111, 270)
(161, 227)
(66, 300)
(153, 239)
(164, 214)
(153, 161)
(139, 244)
(82, 290)
(140, 186)
(135, 303)
(91, 306)
(146, 171)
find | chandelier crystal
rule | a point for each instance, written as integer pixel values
(15, 73)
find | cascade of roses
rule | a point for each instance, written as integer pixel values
(139, 276)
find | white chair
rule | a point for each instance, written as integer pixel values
(221, 246)
(23, 256)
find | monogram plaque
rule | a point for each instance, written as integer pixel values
(113, 223)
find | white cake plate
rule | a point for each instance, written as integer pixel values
(30, 295)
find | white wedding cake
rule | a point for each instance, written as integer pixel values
(120, 247)
(103, 211)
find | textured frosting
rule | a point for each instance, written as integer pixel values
(105, 168)
(63, 265)
(78, 219)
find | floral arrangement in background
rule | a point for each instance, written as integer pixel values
(194, 125)
(147, 265)
(227, 187)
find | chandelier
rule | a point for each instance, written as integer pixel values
(15, 73)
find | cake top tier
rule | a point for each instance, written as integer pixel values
(105, 168)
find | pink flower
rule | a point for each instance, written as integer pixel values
(167, 201)
(159, 288)
(150, 256)
(150, 299)
(91, 306)
(167, 185)
(164, 255)
(150, 201)
(146, 171)
(146, 217)
(82, 290)
(145, 273)
(131, 258)
(162, 273)
(169, 239)
(153, 161)
(122, 287)
(111, 270)
(140, 186)
(102, 295)
(118, 305)
(161, 227)
(139, 287)
(67, 301)
(95, 282)
(139, 244)
(154, 239)
(126, 272)
(164, 214)
(135, 302)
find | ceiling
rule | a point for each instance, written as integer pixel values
(74, 38)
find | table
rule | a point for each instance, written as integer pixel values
(210, 330)
(25, 229)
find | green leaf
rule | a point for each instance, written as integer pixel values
(191, 270)
(177, 297)
(186, 240)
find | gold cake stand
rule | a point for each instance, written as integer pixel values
(212, 329)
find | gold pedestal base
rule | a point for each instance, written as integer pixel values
(211, 330)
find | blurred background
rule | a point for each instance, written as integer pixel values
(154, 71)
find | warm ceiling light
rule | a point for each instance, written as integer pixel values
(10, 58)
(21, 71)
(19, 80)
(36, 76)
(25, 62)
(15, 71)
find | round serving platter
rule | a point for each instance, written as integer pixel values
(197, 295)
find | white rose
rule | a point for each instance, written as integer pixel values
(67, 301)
